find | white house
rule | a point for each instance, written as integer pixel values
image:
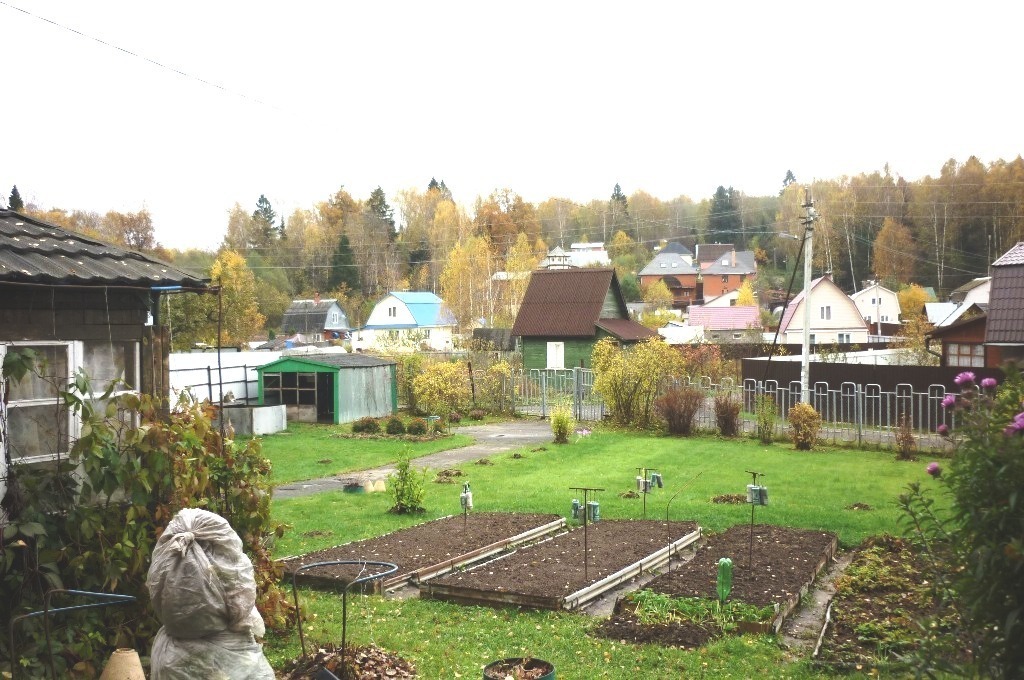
(834, 316)
(589, 255)
(407, 321)
(877, 304)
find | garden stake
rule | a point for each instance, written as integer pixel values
(755, 498)
(466, 500)
(586, 511)
(669, 504)
(646, 479)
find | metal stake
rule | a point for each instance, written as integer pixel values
(586, 511)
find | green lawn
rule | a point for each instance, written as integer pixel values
(307, 451)
(806, 489)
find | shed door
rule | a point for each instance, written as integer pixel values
(556, 355)
(325, 397)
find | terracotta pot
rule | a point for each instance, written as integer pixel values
(123, 664)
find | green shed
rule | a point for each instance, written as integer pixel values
(564, 312)
(330, 388)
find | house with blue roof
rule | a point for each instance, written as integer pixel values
(407, 321)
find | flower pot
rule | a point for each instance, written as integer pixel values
(521, 668)
(124, 664)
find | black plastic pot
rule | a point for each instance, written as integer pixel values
(501, 669)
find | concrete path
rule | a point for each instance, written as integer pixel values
(490, 440)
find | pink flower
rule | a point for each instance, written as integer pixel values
(933, 469)
(1016, 426)
(949, 401)
(943, 430)
(964, 378)
(989, 383)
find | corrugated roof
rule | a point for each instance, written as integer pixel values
(336, 359)
(33, 251)
(626, 329)
(1006, 298)
(564, 302)
(735, 262)
(724, 318)
(669, 262)
(426, 308)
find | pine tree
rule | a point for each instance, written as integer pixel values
(15, 203)
(343, 267)
(263, 218)
(379, 209)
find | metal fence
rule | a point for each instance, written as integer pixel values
(852, 414)
(207, 382)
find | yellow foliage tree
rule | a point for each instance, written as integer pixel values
(912, 299)
(441, 388)
(746, 295)
(889, 261)
(241, 318)
(657, 295)
(629, 379)
(466, 282)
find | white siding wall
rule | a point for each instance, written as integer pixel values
(845, 318)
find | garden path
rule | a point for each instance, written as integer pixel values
(491, 439)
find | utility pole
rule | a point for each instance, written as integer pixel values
(808, 222)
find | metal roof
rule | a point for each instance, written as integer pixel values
(669, 262)
(33, 251)
(336, 360)
(1006, 298)
(725, 318)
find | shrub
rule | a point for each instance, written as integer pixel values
(630, 379)
(442, 387)
(562, 423)
(678, 406)
(906, 444)
(767, 411)
(366, 425)
(408, 487)
(454, 417)
(417, 426)
(395, 426)
(440, 427)
(804, 422)
(727, 414)
(477, 414)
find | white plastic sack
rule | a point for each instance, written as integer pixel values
(224, 656)
(203, 590)
(200, 580)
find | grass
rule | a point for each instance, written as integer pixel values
(306, 451)
(806, 489)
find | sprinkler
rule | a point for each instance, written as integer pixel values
(466, 501)
(647, 479)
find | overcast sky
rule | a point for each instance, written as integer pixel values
(187, 107)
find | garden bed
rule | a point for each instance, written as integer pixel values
(429, 549)
(551, 574)
(785, 564)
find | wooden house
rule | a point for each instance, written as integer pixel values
(407, 321)
(315, 320)
(674, 266)
(330, 388)
(566, 311)
(835, 317)
(878, 305)
(80, 304)
(1004, 332)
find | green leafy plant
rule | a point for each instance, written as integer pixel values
(727, 414)
(767, 412)
(678, 407)
(804, 422)
(408, 487)
(562, 423)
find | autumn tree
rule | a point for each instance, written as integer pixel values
(502, 216)
(657, 295)
(131, 230)
(519, 263)
(242, 319)
(745, 297)
(466, 283)
(629, 379)
(912, 300)
(892, 260)
(14, 202)
(241, 232)
(191, 319)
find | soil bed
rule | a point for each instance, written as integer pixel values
(440, 543)
(544, 574)
(784, 566)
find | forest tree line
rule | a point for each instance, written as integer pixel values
(937, 232)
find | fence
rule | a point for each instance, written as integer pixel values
(209, 382)
(852, 414)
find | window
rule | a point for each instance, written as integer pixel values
(426, 333)
(964, 354)
(39, 426)
(393, 311)
(826, 312)
(812, 340)
(289, 388)
(725, 278)
(556, 355)
(844, 338)
(334, 317)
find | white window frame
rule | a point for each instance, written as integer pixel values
(826, 312)
(844, 338)
(556, 355)
(75, 360)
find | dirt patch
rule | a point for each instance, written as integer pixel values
(785, 563)
(548, 571)
(859, 506)
(447, 476)
(359, 663)
(424, 545)
(730, 498)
